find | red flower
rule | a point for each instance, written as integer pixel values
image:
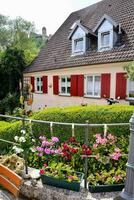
(88, 152)
(74, 151)
(72, 139)
(65, 147)
(69, 157)
(42, 171)
(84, 146)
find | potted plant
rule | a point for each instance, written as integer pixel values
(61, 175)
(107, 164)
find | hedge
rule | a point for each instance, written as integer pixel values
(75, 114)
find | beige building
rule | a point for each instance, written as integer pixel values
(83, 62)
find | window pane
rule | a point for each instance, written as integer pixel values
(131, 88)
(68, 79)
(105, 39)
(68, 90)
(97, 86)
(63, 90)
(78, 45)
(38, 88)
(89, 85)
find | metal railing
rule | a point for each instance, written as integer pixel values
(87, 127)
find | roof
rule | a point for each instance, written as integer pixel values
(57, 53)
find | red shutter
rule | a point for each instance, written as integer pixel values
(80, 85)
(105, 85)
(121, 84)
(74, 84)
(45, 84)
(55, 85)
(33, 83)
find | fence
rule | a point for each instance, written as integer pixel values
(85, 126)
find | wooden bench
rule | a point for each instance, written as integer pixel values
(10, 180)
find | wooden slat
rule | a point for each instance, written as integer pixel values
(13, 177)
(9, 186)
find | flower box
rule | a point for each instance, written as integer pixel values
(106, 188)
(62, 183)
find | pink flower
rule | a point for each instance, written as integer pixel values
(116, 155)
(47, 151)
(98, 136)
(58, 151)
(46, 143)
(40, 149)
(95, 146)
(101, 140)
(110, 137)
(45, 165)
(117, 178)
(117, 150)
(40, 154)
(52, 151)
(42, 138)
(55, 139)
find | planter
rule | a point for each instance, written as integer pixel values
(105, 188)
(62, 183)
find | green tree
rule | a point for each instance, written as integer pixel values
(130, 71)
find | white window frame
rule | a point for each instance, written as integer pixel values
(128, 89)
(85, 86)
(102, 34)
(66, 85)
(40, 85)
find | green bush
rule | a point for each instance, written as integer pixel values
(76, 114)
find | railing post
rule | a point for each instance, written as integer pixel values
(86, 158)
(128, 191)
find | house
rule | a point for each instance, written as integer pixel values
(84, 60)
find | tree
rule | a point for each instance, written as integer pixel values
(130, 71)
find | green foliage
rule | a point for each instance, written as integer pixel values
(130, 71)
(78, 114)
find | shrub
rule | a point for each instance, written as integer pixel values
(76, 114)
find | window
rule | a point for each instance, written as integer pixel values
(131, 88)
(93, 86)
(65, 85)
(39, 85)
(78, 45)
(105, 39)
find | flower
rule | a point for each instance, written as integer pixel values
(47, 151)
(16, 138)
(17, 149)
(42, 171)
(95, 146)
(65, 147)
(116, 155)
(42, 138)
(55, 139)
(72, 139)
(22, 139)
(40, 154)
(40, 149)
(23, 131)
(101, 140)
(58, 151)
(110, 137)
(46, 143)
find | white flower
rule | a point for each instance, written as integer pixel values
(16, 138)
(33, 140)
(23, 132)
(22, 139)
(32, 149)
(17, 150)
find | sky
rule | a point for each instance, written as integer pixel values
(48, 13)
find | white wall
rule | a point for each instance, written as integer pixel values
(40, 100)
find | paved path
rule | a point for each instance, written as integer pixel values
(5, 195)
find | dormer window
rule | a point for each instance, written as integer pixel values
(80, 37)
(107, 33)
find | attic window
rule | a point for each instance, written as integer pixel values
(78, 45)
(105, 39)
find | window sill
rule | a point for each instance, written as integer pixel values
(37, 92)
(77, 53)
(67, 95)
(92, 97)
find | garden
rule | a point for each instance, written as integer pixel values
(65, 155)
